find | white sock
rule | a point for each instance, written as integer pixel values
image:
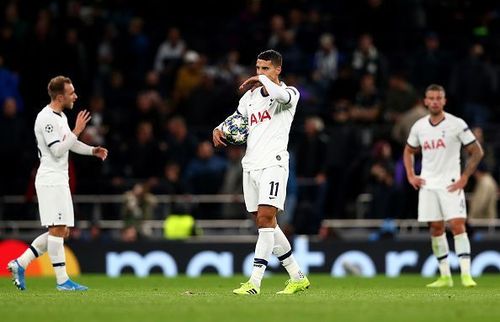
(462, 248)
(55, 247)
(263, 250)
(440, 249)
(37, 248)
(283, 250)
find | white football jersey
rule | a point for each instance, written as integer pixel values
(440, 145)
(269, 127)
(52, 128)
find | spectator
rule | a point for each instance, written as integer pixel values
(73, 59)
(367, 105)
(311, 172)
(189, 76)
(233, 183)
(401, 128)
(327, 60)
(9, 86)
(277, 26)
(144, 155)
(180, 143)
(139, 205)
(367, 59)
(474, 83)
(229, 69)
(381, 182)
(342, 159)
(147, 109)
(199, 107)
(105, 55)
(97, 127)
(430, 64)
(400, 98)
(326, 65)
(13, 153)
(138, 47)
(483, 201)
(170, 51)
(171, 184)
(129, 234)
(291, 52)
(488, 146)
(204, 175)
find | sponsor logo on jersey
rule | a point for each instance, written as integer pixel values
(259, 117)
(434, 144)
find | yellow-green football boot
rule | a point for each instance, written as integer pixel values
(293, 287)
(467, 281)
(443, 281)
(247, 288)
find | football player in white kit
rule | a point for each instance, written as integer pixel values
(55, 140)
(270, 107)
(440, 136)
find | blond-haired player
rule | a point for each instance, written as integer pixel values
(440, 137)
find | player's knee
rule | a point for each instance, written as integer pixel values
(437, 230)
(58, 231)
(265, 220)
(458, 229)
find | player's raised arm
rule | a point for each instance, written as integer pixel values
(250, 83)
(282, 95)
(81, 122)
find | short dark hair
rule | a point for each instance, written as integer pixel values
(435, 88)
(56, 86)
(272, 55)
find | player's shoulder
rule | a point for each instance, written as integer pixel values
(47, 115)
(455, 120)
(249, 93)
(44, 114)
(422, 122)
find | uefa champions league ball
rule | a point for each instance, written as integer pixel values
(235, 129)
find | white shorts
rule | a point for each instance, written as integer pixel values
(440, 205)
(55, 205)
(265, 187)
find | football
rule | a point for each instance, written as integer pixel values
(235, 129)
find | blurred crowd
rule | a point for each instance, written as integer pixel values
(158, 77)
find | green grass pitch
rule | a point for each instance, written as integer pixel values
(209, 298)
